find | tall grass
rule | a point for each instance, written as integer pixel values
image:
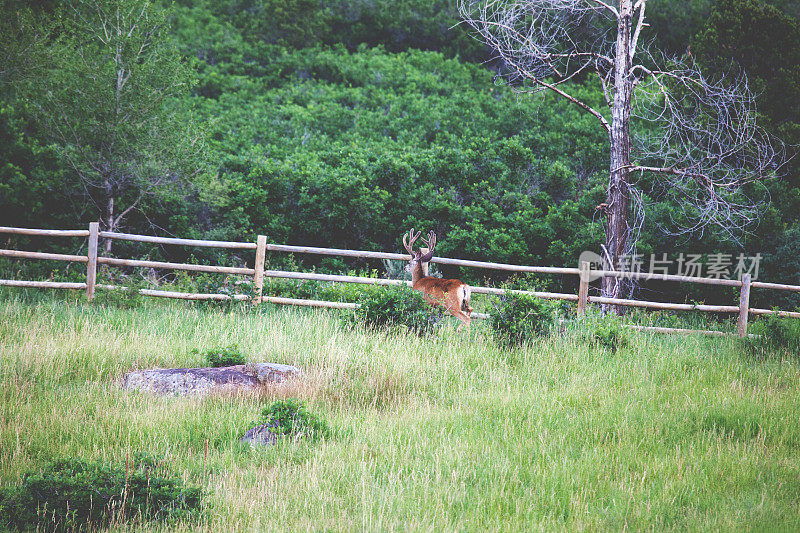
(446, 432)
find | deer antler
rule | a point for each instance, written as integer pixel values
(408, 245)
(430, 242)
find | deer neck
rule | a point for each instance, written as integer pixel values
(420, 271)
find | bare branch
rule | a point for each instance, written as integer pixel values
(575, 101)
(702, 136)
(605, 5)
(529, 37)
(640, 4)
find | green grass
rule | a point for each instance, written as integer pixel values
(446, 432)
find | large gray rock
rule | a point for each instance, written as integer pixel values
(205, 380)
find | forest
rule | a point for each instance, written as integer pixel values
(342, 124)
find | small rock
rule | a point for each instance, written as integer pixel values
(262, 435)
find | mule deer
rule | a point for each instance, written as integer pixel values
(452, 294)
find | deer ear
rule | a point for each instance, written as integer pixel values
(427, 256)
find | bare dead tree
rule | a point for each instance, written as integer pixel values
(699, 135)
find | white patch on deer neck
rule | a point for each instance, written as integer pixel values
(425, 265)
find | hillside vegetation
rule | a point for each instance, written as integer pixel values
(343, 124)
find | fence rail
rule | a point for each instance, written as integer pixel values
(582, 298)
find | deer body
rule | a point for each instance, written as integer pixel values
(452, 294)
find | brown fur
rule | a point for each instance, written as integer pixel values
(430, 287)
(447, 293)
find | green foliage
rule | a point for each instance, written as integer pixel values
(774, 337)
(520, 318)
(224, 356)
(765, 43)
(126, 297)
(319, 290)
(342, 124)
(763, 40)
(109, 100)
(233, 287)
(73, 494)
(337, 139)
(291, 418)
(229, 30)
(607, 332)
(397, 306)
(674, 23)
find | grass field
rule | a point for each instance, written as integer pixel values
(442, 433)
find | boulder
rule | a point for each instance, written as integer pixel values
(205, 380)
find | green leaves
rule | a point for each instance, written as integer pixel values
(520, 318)
(291, 418)
(72, 494)
(225, 356)
(392, 307)
(110, 100)
(345, 149)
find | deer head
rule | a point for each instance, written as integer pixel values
(418, 264)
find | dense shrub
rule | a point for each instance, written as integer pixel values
(127, 297)
(318, 290)
(774, 336)
(225, 356)
(291, 418)
(72, 494)
(519, 318)
(363, 129)
(382, 307)
(607, 332)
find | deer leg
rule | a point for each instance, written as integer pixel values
(464, 318)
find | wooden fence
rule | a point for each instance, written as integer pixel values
(258, 273)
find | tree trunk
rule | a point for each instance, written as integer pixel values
(618, 194)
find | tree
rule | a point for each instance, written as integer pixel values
(110, 99)
(698, 135)
(765, 42)
(24, 40)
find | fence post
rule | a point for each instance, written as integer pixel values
(583, 288)
(744, 306)
(91, 265)
(258, 279)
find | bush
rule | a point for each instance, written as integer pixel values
(72, 494)
(776, 336)
(225, 356)
(608, 333)
(397, 306)
(519, 318)
(319, 290)
(291, 418)
(128, 297)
